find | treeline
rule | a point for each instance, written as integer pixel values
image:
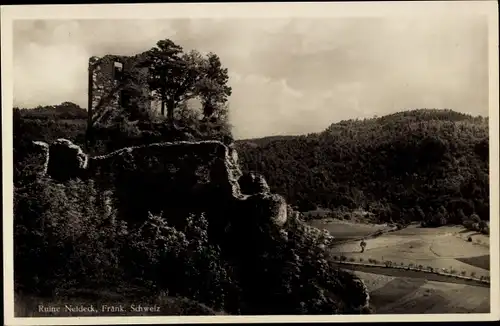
(63, 111)
(421, 165)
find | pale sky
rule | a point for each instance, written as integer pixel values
(289, 76)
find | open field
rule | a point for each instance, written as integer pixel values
(478, 261)
(439, 248)
(394, 291)
(408, 295)
(345, 230)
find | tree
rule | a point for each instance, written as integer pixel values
(363, 245)
(212, 87)
(170, 79)
(177, 76)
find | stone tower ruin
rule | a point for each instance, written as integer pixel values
(110, 87)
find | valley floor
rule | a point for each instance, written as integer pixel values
(398, 291)
(411, 295)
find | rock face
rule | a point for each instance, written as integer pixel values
(173, 180)
(160, 177)
(253, 183)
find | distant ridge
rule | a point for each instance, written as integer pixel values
(422, 164)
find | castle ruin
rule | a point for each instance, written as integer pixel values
(116, 84)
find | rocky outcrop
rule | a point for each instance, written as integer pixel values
(253, 183)
(161, 177)
(176, 179)
(41, 153)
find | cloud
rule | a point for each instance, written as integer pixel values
(289, 76)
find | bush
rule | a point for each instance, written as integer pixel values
(361, 259)
(430, 268)
(343, 258)
(58, 225)
(69, 233)
(74, 238)
(388, 263)
(473, 274)
(352, 259)
(179, 260)
(469, 239)
(463, 273)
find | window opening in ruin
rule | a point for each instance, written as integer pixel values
(125, 98)
(118, 70)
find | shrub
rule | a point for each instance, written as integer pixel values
(69, 233)
(352, 259)
(463, 273)
(375, 261)
(420, 267)
(58, 225)
(343, 258)
(430, 268)
(469, 239)
(335, 258)
(473, 274)
(361, 259)
(388, 263)
(452, 271)
(173, 257)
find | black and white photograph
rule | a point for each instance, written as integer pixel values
(284, 161)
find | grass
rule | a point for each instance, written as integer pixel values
(477, 261)
(404, 295)
(431, 247)
(343, 230)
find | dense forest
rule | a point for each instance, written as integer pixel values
(423, 165)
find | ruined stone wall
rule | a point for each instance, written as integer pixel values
(104, 88)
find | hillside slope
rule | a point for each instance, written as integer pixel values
(418, 165)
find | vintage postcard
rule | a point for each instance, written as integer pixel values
(261, 162)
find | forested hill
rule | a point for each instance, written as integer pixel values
(424, 165)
